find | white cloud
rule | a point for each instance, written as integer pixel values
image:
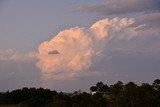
(78, 47)
(10, 54)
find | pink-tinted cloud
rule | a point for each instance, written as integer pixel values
(77, 47)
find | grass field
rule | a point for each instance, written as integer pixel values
(8, 105)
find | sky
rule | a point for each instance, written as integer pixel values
(69, 45)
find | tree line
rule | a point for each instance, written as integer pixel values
(102, 95)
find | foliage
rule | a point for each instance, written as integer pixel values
(116, 95)
(9, 105)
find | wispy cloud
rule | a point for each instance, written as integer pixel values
(118, 7)
(18, 70)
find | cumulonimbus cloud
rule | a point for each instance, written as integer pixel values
(71, 52)
(110, 47)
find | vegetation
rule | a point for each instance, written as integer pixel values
(117, 95)
(9, 105)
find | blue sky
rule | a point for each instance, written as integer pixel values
(69, 45)
(33, 21)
